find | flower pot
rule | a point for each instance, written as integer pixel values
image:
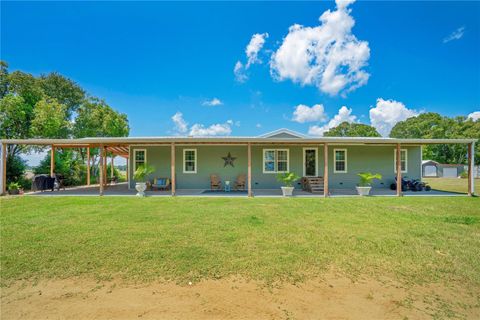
(13, 192)
(287, 191)
(363, 191)
(141, 187)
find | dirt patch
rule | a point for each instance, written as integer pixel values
(331, 297)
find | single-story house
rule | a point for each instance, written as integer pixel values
(326, 162)
(435, 169)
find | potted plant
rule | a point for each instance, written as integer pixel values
(140, 176)
(287, 178)
(365, 185)
(14, 188)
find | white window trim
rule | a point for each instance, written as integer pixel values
(135, 157)
(276, 161)
(395, 160)
(335, 161)
(316, 161)
(196, 157)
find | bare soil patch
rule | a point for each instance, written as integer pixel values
(329, 297)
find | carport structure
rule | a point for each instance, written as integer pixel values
(281, 140)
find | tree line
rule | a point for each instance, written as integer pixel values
(425, 126)
(52, 106)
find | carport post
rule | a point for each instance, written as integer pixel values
(399, 171)
(101, 169)
(52, 162)
(111, 167)
(3, 168)
(471, 181)
(88, 166)
(325, 170)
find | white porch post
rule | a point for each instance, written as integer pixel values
(249, 176)
(399, 171)
(172, 168)
(3, 169)
(471, 162)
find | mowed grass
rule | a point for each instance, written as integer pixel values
(414, 239)
(452, 184)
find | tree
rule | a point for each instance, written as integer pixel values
(3, 78)
(64, 90)
(50, 120)
(346, 129)
(435, 126)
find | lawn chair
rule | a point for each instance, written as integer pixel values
(240, 183)
(215, 182)
(160, 184)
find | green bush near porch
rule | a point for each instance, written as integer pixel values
(416, 240)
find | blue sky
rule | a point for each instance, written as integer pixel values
(155, 60)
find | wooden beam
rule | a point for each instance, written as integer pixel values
(399, 171)
(111, 167)
(105, 166)
(4, 169)
(172, 164)
(52, 162)
(470, 169)
(325, 170)
(101, 169)
(249, 176)
(88, 166)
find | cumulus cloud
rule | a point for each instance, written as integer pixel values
(213, 102)
(253, 48)
(344, 114)
(455, 35)
(327, 56)
(304, 113)
(198, 129)
(474, 115)
(387, 113)
(181, 126)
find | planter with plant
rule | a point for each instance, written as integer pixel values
(14, 188)
(140, 177)
(287, 178)
(365, 185)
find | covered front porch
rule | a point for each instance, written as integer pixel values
(121, 189)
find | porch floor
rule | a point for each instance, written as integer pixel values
(121, 189)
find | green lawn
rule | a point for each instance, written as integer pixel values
(417, 240)
(452, 184)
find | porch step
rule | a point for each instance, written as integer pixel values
(312, 184)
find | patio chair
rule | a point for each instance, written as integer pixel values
(160, 184)
(215, 182)
(241, 181)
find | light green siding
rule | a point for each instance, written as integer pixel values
(376, 159)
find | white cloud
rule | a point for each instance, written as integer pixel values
(474, 115)
(258, 125)
(455, 35)
(254, 47)
(239, 72)
(181, 126)
(344, 114)
(219, 129)
(387, 113)
(304, 113)
(213, 102)
(198, 129)
(328, 56)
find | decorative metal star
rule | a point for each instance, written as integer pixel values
(228, 160)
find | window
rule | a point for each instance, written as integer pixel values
(139, 158)
(189, 160)
(340, 160)
(403, 160)
(275, 160)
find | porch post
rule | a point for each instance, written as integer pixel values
(325, 170)
(52, 161)
(399, 171)
(471, 181)
(3, 168)
(172, 164)
(101, 169)
(249, 177)
(104, 166)
(88, 165)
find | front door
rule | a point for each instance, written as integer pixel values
(310, 162)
